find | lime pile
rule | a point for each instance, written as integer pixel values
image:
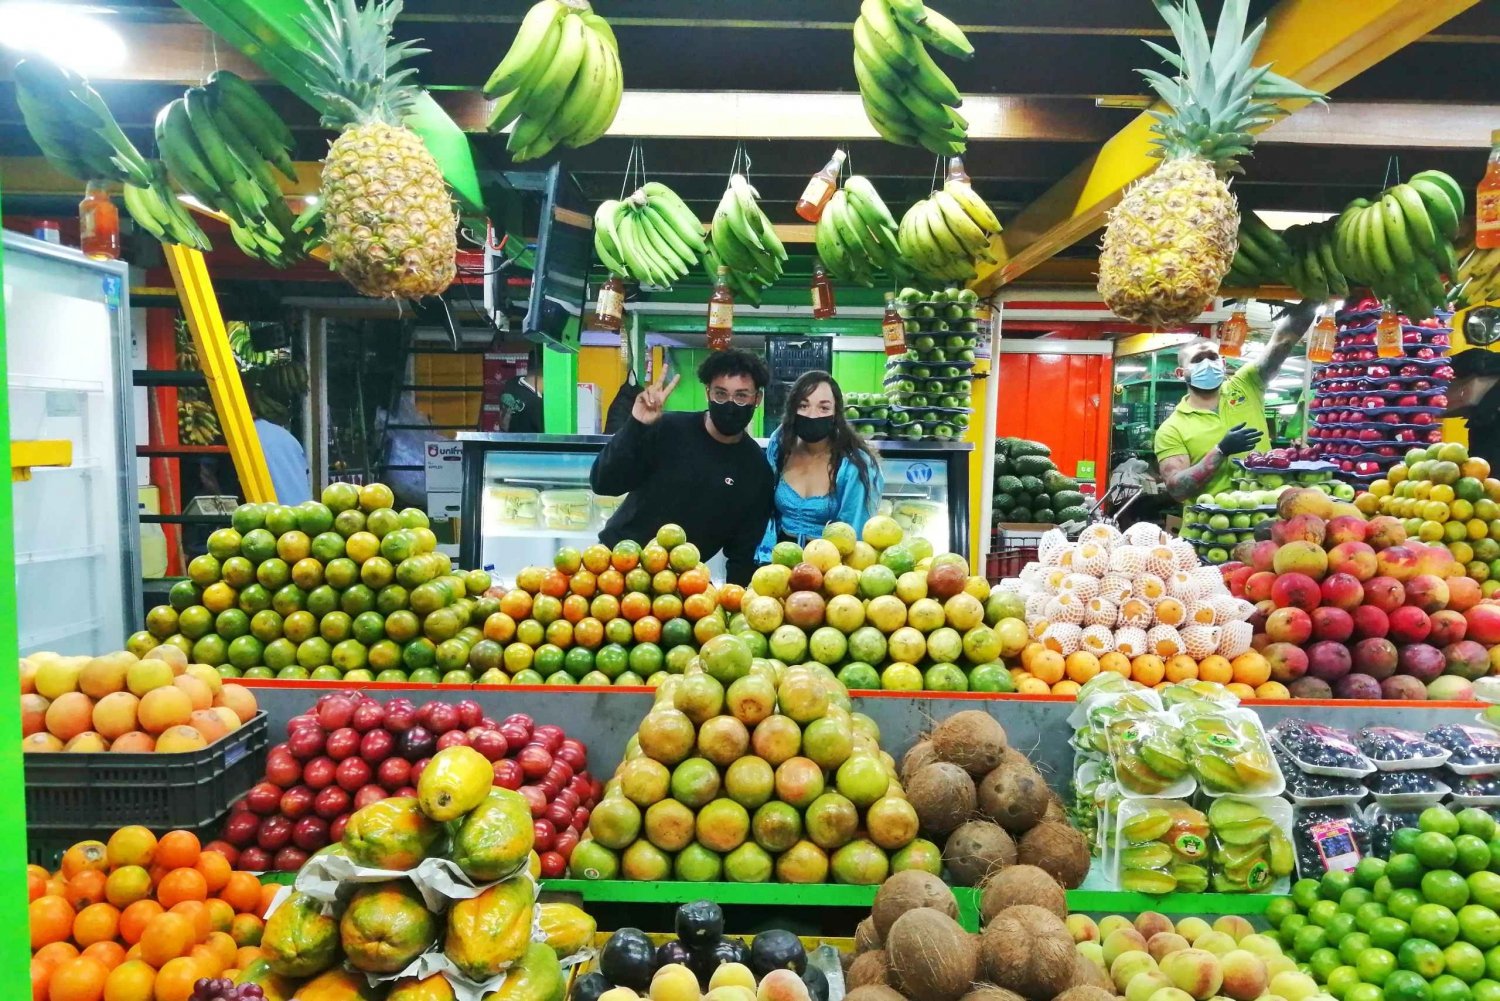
(1423, 925)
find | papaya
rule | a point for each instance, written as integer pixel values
(488, 932)
(273, 985)
(455, 781)
(386, 926)
(299, 940)
(340, 985)
(537, 977)
(493, 840)
(434, 988)
(568, 929)
(391, 834)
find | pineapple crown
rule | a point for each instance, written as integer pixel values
(352, 62)
(1217, 98)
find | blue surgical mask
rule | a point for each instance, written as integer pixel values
(1206, 374)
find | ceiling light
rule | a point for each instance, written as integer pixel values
(1279, 220)
(74, 37)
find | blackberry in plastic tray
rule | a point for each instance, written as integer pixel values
(1414, 783)
(1305, 742)
(1309, 861)
(1389, 746)
(1469, 745)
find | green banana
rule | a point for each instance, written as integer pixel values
(1436, 199)
(533, 47)
(248, 199)
(974, 205)
(550, 89)
(237, 101)
(945, 36)
(1448, 186)
(895, 45)
(1418, 224)
(1395, 232)
(580, 103)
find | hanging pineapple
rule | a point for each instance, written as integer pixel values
(1171, 239)
(390, 224)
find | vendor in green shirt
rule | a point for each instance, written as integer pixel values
(1221, 418)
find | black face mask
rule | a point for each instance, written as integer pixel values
(729, 417)
(812, 429)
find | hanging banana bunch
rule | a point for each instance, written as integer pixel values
(1313, 268)
(652, 236)
(1261, 256)
(942, 235)
(907, 97)
(1480, 275)
(744, 240)
(71, 124)
(157, 210)
(1401, 242)
(856, 234)
(560, 83)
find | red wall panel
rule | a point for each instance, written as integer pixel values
(1061, 400)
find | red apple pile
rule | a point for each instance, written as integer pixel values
(1353, 609)
(1367, 410)
(351, 750)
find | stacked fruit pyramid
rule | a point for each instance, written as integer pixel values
(627, 616)
(1030, 488)
(1368, 410)
(882, 611)
(127, 704)
(406, 928)
(350, 750)
(748, 771)
(989, 805)
(1445, 496)
(1349, 608)
(870, 413)
(1420, 924)
(1137, 604)
(140, 917)
(929, 386)
(1216, 523)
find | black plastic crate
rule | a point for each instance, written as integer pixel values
(788, 358)
(101, 792)
(45, 848)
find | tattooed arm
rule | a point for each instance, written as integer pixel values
(1290, 329)
(1185, 480)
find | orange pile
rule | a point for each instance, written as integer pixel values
(140, 919)
(1047, 672)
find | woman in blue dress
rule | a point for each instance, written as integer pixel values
(825, 472)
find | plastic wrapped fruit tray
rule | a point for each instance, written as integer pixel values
(1299, 466)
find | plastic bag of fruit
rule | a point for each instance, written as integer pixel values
(1230, 754)
(1250, 844)
(1149, 755)
(1162, 847)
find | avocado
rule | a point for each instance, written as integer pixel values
(628, 959)
(588, 987)
(700, 922)
(777, 949)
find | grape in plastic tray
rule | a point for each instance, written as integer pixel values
(1307, 790)
(1475, 790)
(1472, 749)
(1328, 837)
(1321, 750)
(1394, 749)
(1149, 756)
(1407, 790)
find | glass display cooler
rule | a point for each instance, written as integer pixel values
(527, 495)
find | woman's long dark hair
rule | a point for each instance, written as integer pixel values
(844, 443)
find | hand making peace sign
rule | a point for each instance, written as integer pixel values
(648, 403)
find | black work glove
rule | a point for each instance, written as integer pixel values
(1239, 439)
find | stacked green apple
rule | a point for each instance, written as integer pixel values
(883, 612)
(1422, 925)
(870, 413)
(345, 587)
(930, 384)
(1216, 523)
(750, 771)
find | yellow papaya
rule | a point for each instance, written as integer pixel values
(299, 940)
(386, 926)
(339, 985)
(434, 988)
(537, 977)
(391, 834)
(490, 931)
(273, 985)
(568, 929)
(494, 839)
(455, 781)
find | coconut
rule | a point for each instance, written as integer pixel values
(1015, 796)
(1059, 849)
(989, 992)
(977, 848)
(943, 796)
(874, 992)
(1014, 756)
(972, 740)
(1028, 950)
(921, 753)
(931, 957)
(906, 891)
(1055, 811)
(1021, 884)
(868, 968)
(1086, 992)
(865, 936)
(1087, 973)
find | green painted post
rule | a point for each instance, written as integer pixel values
(560, 384)
(15, 949)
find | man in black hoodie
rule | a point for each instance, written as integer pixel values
(697, 469)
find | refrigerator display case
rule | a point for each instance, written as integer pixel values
(527, 495)
(76, 530)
